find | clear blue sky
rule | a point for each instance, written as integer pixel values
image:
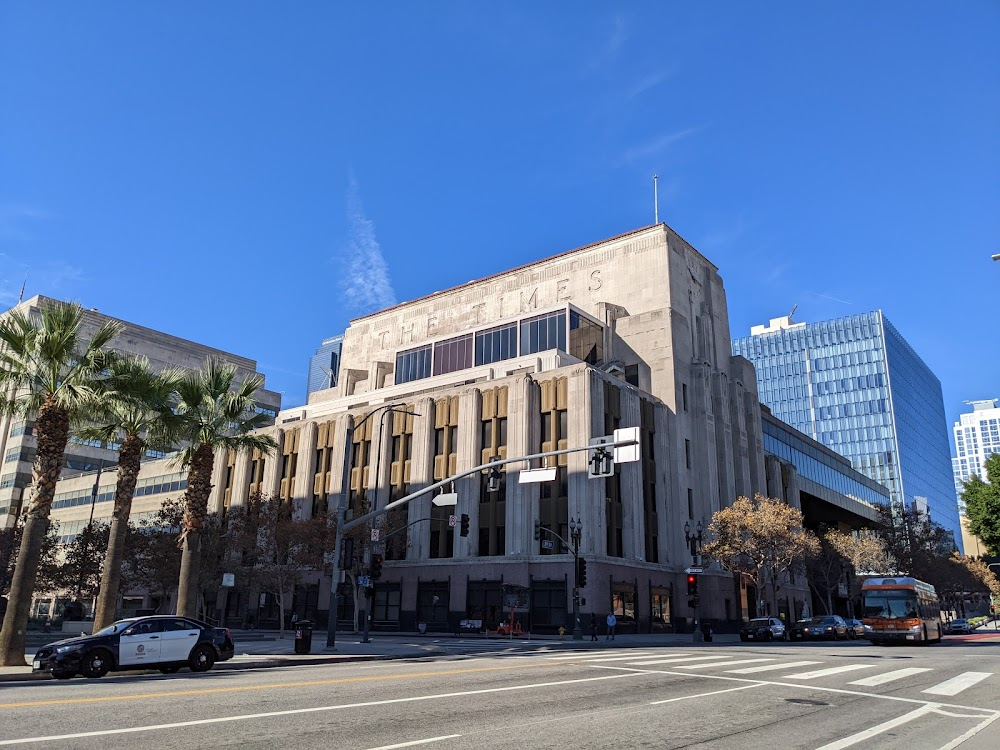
(189, 166)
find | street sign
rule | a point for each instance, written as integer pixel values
(453, 520)
(627, 453)
(375, 533)
(445, 499)
(694, 571)
(228, 580)
(548, 544)
(533, 476)
(363, 581)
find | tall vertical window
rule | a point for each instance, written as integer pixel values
(361, 455)
(324, 467)
(586, 339)
(289, 462)
(543, 332)
(453, 354)
(613, 485)
(400, 449)
(257, 463)
(496, 344)
(647, 424)
(553, 503)
(413, 364)
(445, 465)
(493, 445)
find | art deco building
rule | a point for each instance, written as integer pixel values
(628, 332)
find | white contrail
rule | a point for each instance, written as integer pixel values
(366, 282)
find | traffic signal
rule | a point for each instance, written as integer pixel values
(692, 584)
(694, 601)
(377, 561)
(464, 529)
(600, 461)
(581, 572)
(538, 530)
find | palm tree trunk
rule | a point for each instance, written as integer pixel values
(195, 510)
(52, 428)
(129, 458)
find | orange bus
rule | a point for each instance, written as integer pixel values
(900, 610)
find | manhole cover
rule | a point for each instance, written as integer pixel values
(805, 702)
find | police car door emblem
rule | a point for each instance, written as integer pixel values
(140, 649)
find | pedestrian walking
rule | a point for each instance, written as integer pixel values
(612, 621)
(593, 627)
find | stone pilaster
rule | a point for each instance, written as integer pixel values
(668, 506)
(241, 479)
(522, 435)
(272, 467)
(215, 497)
(586, 496)
(470, 410)
(775, 488)
(633, 521)
(421, 475)
(305, 471)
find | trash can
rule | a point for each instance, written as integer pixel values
(303, 636)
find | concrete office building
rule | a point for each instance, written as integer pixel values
(855, 385)
(324, 365)
(17, 443)
(628, 332)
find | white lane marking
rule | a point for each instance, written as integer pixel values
(618, 658)
(971, 733)
(956, 685)
(826, 672)
(854, 739)
(702, 695)
(773, 667)
(418, 742)
(601, 655)
(898, 674)
(674, 660)
(727, 663)
(315, 709)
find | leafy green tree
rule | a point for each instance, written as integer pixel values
(134, 410)
(982, 505)
(49, 372)
(215, 412)
(48, 564)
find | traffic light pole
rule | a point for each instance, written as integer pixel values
(577, 629)
(343, 525)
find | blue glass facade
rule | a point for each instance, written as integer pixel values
(324, 365)
(855, 385)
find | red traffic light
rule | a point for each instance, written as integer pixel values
(692, 579)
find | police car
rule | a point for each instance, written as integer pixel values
(164, 642)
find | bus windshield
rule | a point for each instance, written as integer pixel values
(890, 604)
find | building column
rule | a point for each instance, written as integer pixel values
(724, 456)
(272, 467)
(586, 496)
(421, 475)
(218, 491)
(470, 411)
(522, 439)
(772, 466)
(668, 507)
(305, 471)
(241, 479)
(339, 428)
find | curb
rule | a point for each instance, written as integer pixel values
(262, 663)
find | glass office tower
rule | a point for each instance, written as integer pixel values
(324, 364)
(855, 385)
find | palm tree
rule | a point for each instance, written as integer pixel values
(213, 414)
(133, 409)
(49, 373)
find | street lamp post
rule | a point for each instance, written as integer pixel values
(693, 541)
(575, 532)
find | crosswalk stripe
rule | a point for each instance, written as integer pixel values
(826, 672)
(956, 685)
(600, 657)
(773, 667)
(672, 660)
(897, 674)
(727, 663)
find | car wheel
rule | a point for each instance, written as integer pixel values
(769, 636)
(743, 638)
(170, 669)
(96, 664)
(63, 675)
(202, 659)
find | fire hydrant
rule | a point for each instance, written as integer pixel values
(562, 632)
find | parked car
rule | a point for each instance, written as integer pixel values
(959, 626)
(763, 629)
(163, 642)
(855, 629)
(832, 627)
(799, 631)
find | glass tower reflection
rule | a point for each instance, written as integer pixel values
(855, 385)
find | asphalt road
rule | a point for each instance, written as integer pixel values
(828, 696)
